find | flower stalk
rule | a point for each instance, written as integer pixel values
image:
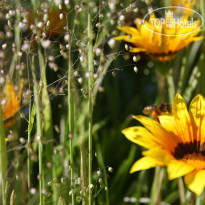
(71, 109)
(16, 59)
(39, 131)
(3, 156)
(171, 86)
(90, 103)
(71, 120)
(192, 199)
(28, 148)
(181, 191)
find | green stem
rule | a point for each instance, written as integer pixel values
(32, 114)
(156, 186)
(202, 60)
(140, 180)
(181, 76)
(90, 103)
(192, 199)
(28, 148)
(161, 85)
(48, 122)
(17, 33)
(71, 118)
(171, 87)
(102, 166)
(84, 201)
(47, 113)
(181, 191)
(202, 6)
(39, 131)
(3, 155)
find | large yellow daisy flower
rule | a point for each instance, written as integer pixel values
(160, 41)
(177, 142)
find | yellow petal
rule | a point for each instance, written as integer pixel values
(140, 136)
(129, 30)
(197, 115)
(182, 119)
(175, 168)
(178, 168)
(167, 121)
(145, 163)
(135, 40)
(159, 154)
(195, 181)
(137, 50)
(152, 18)
(162, 137)
(198, 38)
(124, 38)
(129, 39)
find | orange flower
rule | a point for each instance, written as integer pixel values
(10, 103)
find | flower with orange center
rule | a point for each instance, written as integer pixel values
(160, 41)
(12, 103)
(177, 141)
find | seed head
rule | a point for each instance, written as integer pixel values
(61, 16)
(111, 43)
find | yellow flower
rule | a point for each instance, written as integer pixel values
(160, 41)
(12, 103)
(177, 142)
(184, 3)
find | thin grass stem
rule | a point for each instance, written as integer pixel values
(3, 156)
(71, 107)
(90, 104)
(18, 31)
(39, 131)
(156, 186)
(28, 149)
(102, 166)
(181, 191)
(84, 199)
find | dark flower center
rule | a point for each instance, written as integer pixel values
(184, 149)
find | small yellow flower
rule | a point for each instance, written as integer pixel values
(10, 103)
(177, 142)
(159, 41)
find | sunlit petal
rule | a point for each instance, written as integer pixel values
(182, 119)
(145, 163)
(195, 181)
(140, 136)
